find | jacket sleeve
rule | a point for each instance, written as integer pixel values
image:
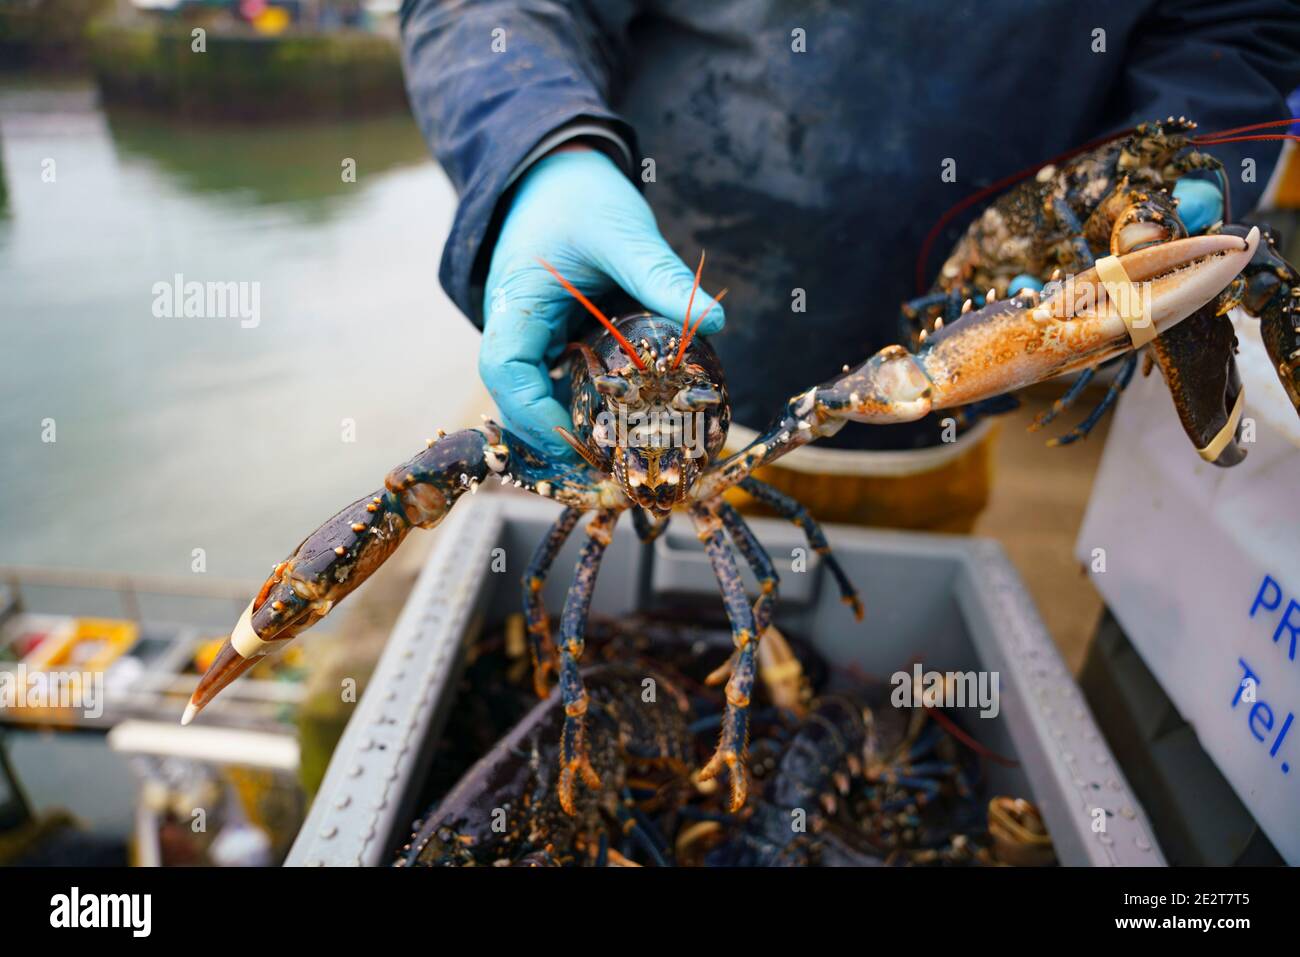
(492, 81)
(1223, 63)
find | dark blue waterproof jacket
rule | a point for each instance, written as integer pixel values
(802, 143)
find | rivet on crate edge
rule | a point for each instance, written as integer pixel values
(356, 770)
(1128, 812)
(342, 802)
(1142, 843)
(1106, 839)
(329, 831)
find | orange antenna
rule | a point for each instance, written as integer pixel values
(686, 323)
(1248, 129)
(686, 339)
(1242, 139)
(604, 320)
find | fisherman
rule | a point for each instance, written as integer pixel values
(809, 148)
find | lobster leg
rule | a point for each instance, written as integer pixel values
(1120, 383)
(1065, 401)
(1079, 249)
(916, 312)
(730, 753)
(575, 759)
(539, 627)
(747, 543)
(793, 510)
(779, 668)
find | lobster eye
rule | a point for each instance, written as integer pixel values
(695, 398)
(616, 387)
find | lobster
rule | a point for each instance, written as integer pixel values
(1112, 197)
(788, 827)
(646, 369)
(506, 809)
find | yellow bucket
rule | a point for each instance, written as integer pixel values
(939, 489)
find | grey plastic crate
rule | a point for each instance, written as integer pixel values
(955, 601)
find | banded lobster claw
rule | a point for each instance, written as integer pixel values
(347, 549)
(302, 589)
(1120, 304)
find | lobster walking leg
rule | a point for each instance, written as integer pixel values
(1122, 378)
(730, 753)
(574, 756)
(747, 543)
(1065, 401)
(539, 626)
(793, 510)
(780, 669)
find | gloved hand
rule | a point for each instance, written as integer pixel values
(578, 211)
(1200, 204)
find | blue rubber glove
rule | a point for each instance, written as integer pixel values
(578, 211)
(1200, 204)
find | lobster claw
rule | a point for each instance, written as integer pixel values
(1100, 313)
(244, 648)
(303, 589)
(333, 560)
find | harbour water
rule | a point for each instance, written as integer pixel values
(131, 436)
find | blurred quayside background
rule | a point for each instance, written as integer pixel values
(125, 160)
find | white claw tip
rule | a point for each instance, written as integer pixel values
(190, 711)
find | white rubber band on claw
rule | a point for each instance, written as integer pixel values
(1225, 434)
(1129, 302)
(244, 639)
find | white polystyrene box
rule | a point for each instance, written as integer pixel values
(1201, 565)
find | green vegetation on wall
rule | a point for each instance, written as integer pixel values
(246, 77)
(46, 32)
